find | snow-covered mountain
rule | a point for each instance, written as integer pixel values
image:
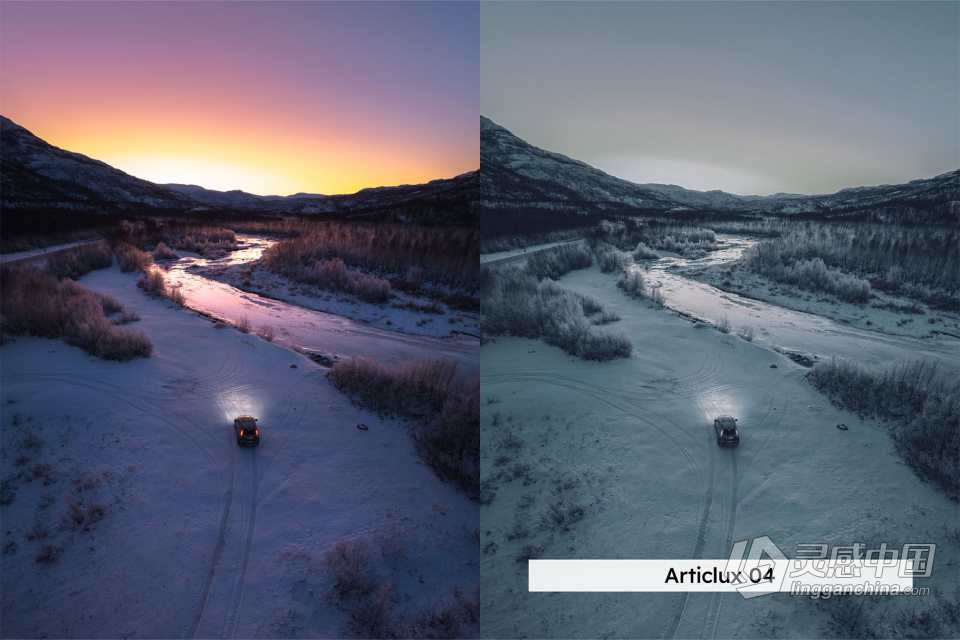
(516, 174)
(35, 174)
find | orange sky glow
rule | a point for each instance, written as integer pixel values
(316, 97)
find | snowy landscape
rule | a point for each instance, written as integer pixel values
(129, 510)
(601, 380)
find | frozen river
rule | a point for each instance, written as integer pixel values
(301, 328)
(778, 326)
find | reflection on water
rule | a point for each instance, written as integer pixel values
(773, 325)
(300, 328)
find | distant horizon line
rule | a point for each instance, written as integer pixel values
(718, 190)
(241, 190)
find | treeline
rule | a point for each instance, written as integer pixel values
(922, 263)
(446, 256)
(506, 243)
(530, 221)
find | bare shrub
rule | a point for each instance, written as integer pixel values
(562, 516)
(747, 333)
(36, 303)
(633, 283)
(153, 283)
(175, 294)
(643, 252)
(81, 516)
(41, 471)
(606, 317)
(611, 259)
(31, 441)
(243, 324)
(456, 617)
(334, 274)
(555, 262)
(78, 261)
(851, 617)
(723, 325)
(349, 563)
(655, 294)
(920, 402)
(515, 303)
(529, 552)
(372, 616)
(131, 258)
(109, 304)
(266, 332)
(163, 252)
(8, 491)
(49, 554)
(445, 405)
(590, 305)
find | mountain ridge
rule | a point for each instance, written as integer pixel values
(34, 173)
(516, 173)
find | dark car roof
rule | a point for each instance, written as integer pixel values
(247, 421)
(727, 421)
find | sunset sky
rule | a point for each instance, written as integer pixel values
(749, 97)
(271, 98)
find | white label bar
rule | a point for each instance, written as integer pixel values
(766, 576)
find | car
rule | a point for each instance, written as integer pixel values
(247, 431)
(726, 430)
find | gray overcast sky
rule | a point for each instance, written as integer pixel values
(749, 97)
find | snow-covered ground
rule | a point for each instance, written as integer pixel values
(624, 450)
(197, 537)
(404, 313)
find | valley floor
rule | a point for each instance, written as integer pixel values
(128, 510)
(618, 460)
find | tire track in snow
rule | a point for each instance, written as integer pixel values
(217, 551)
(144, 405)
(701, 538)
(250, 511)
(602, 395)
